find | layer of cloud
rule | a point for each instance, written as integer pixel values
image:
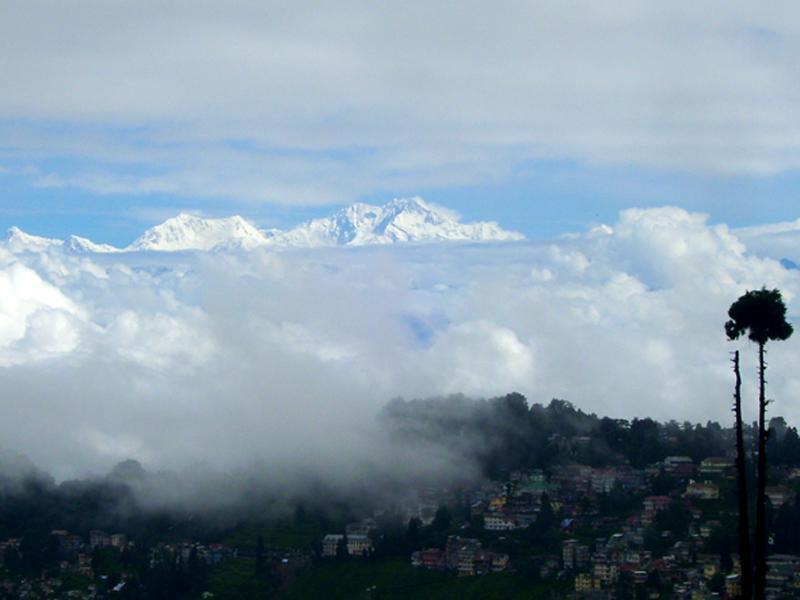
(323, 103)
(778, 240)
(236, 359)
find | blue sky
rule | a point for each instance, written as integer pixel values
(544, 199)
(544, 117)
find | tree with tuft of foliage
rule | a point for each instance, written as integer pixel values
(762, 315)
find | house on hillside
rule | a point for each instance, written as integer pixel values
(716, 465)
(701, 490)
(359, 545)
(99, 539)
(654, 504)
(679, 466)
(779, 495)
(497, 521)
(330, 544)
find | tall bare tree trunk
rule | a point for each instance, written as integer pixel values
(741, 476)
(761, 489)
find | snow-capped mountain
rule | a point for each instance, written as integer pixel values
(187, 232)
(402, 220)
(19, 241)
(80, 245)
(408, 220)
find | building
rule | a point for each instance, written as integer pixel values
(362, 527)
(432, 559)
(710, 564)
(330, 544)
(733, 587)
(783, 572)
(99, 539)
(497, 521)
(584, 582)
(72, 543)
(779, 495)
(497, 561)
(607, 572)
(466, 553)
(359, 545)
(679, 466)
(716, 465)
(568, 552)
(706, 529)
(603, 480)
(654, 504)
(701, 490)
(463, 555)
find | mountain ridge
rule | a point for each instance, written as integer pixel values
(400, 221)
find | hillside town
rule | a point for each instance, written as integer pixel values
(668, 537)
(613, 509)
(671, 541)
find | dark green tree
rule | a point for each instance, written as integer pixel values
(413, 533)
(762, 315)
(644, 445)
(260, 562)
(442, 519)
(12, 559)
(787, 528)
(341, 548)
(547, 517)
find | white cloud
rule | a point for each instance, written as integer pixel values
(322, 103)
(36, 318)
(159, 341)
(230, 358)
(475, 356)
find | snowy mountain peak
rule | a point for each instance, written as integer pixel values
(415, 204)
(19, 241)
(401, 220)
(188, 232)
(80, 245)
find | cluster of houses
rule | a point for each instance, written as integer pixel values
(74, 556)
(464, 556)
(182, 552)
(355, 541)
(45, 587)
(73, 551)
(597, 566)
(461, 555)
(515, 505)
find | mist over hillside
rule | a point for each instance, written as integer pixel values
(433, 443)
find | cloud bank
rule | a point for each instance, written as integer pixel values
(235, 358)
(317, 103)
